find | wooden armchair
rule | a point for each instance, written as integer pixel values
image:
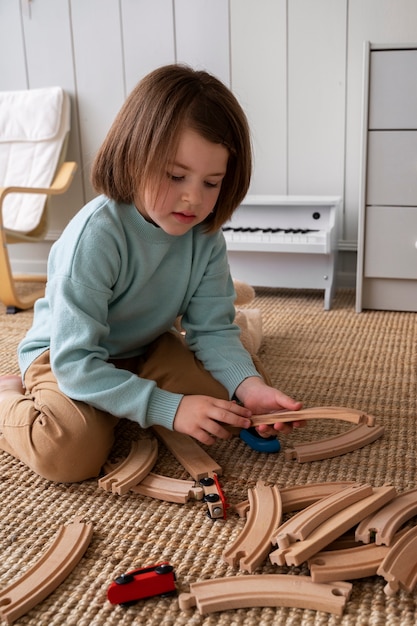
(34, 129)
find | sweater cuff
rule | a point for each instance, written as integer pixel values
(162, 408)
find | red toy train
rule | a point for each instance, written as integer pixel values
(155, 580)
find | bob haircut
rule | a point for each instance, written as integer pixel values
(145, 134)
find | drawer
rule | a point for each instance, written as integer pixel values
(392, 168)
(393, 89)
(389, 294)
(390, 242)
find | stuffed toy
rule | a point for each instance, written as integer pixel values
(249, 320)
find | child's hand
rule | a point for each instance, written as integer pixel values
(260, 398)
(202, 418)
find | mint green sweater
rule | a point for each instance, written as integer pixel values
(116, 283)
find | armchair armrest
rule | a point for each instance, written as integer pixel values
(60, 184)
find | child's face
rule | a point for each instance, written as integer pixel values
(189, 191)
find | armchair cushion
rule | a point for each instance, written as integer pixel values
(33, 127)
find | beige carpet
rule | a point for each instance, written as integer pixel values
(365, 361)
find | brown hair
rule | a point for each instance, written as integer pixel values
(144, 136)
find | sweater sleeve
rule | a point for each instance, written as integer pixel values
(209, 323)
(85, 278)
(80, 364)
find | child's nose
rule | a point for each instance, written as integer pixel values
(192, 194)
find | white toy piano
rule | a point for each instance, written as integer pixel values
(285, 241)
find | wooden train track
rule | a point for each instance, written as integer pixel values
(399, 567)
(303, 523)
(346, 564)
(53, 567)
(357, 561)
(299, 496)
(324, 412)
(383, 524)
(254, 543)
(133, 469)
(331, 529)
(353, 439)
(188, 453)
(275, 590)
(168, 489)
(364, 433)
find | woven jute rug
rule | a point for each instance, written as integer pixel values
(365, 361)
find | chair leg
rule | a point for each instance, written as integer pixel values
(8, 294)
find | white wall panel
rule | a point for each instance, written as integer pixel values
(148, 37)
(99, 69)
(377, 21)
(295, 66)
(202, 35)
(316, 96)
(49, 61)
(259, 80)
(13, 74)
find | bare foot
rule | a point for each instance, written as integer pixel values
(10, 385)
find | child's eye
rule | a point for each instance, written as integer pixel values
(174, 178)
(214, 185)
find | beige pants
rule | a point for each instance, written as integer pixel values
(68, 441)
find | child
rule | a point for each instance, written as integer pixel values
(174, 166)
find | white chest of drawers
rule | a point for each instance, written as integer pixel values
(387, 236)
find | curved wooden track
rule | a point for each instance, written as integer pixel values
(221, 594)
(355, 438)
(53, 567)
(331, 529)
(133, 469)
(299, 496)
(385, 522)
(323, 412)
(168, 489)
(348, 563)
(399, 567)
(253, 544)
(303, 523)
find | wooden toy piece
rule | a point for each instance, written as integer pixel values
(332, 528)
(253, 544)
(384, 523)
(53, 567)
(168, 489)
(303, 523)
(155, 580)
(133, 469)
(348, 563)
(324, 412)
(399, 566)
(298, 496)
(222, 594)
(214, 496)
(187, 452)
(355, 438)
